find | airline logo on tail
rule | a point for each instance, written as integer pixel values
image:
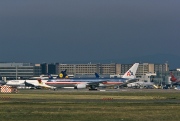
(129, 73)
(63, 74)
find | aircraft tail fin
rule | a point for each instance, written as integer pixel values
(39, 81)
(173, 79)
(97, 75)
(63, 74)
(49, 76)
(131, 72)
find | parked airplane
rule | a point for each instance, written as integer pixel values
(97, 75)
(141, 84)
(93, 83)
(174, 80)
(177, 88)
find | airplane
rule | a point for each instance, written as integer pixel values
(93, 83)
(177, 88)
(34, 84)
(97, 75)
(141, 84)
(61, 75)
(174, 80)
(15, 83)
(38, 84)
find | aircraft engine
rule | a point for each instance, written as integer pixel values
(80, 86)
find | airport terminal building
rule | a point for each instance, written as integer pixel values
(28, 70)
(103, 69)
(19, 70)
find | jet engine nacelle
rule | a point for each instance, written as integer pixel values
(80, 86)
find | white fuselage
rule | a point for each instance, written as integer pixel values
(21, 82)
(73, 82)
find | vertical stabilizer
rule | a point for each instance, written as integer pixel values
(39, 81)
(97, 75)
(49, 76)
(173, 79)
(131, 72)
(63, 74)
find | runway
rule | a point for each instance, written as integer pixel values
(101, 95)
(98, 96)
(116, 90)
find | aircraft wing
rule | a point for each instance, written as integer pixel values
(96, 83)
(27, 84)
(175, 83)
(93, 85)
(38, 85)
(46, 86)
(128, 81)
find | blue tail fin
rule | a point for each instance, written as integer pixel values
(97, 75)
(49, 76)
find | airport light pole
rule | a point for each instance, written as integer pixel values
(143, 73)
(161, 75)
(16, 72)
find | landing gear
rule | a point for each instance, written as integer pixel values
(54, 89)
(92, 88)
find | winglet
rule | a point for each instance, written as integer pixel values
(131, 72)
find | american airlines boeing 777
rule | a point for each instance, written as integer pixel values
(93, 83)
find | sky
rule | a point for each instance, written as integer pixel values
(73, 31)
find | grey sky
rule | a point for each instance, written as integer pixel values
(85, 30)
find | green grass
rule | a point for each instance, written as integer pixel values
(89, 106)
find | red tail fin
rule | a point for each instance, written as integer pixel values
(173, 79)
(40, 81)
